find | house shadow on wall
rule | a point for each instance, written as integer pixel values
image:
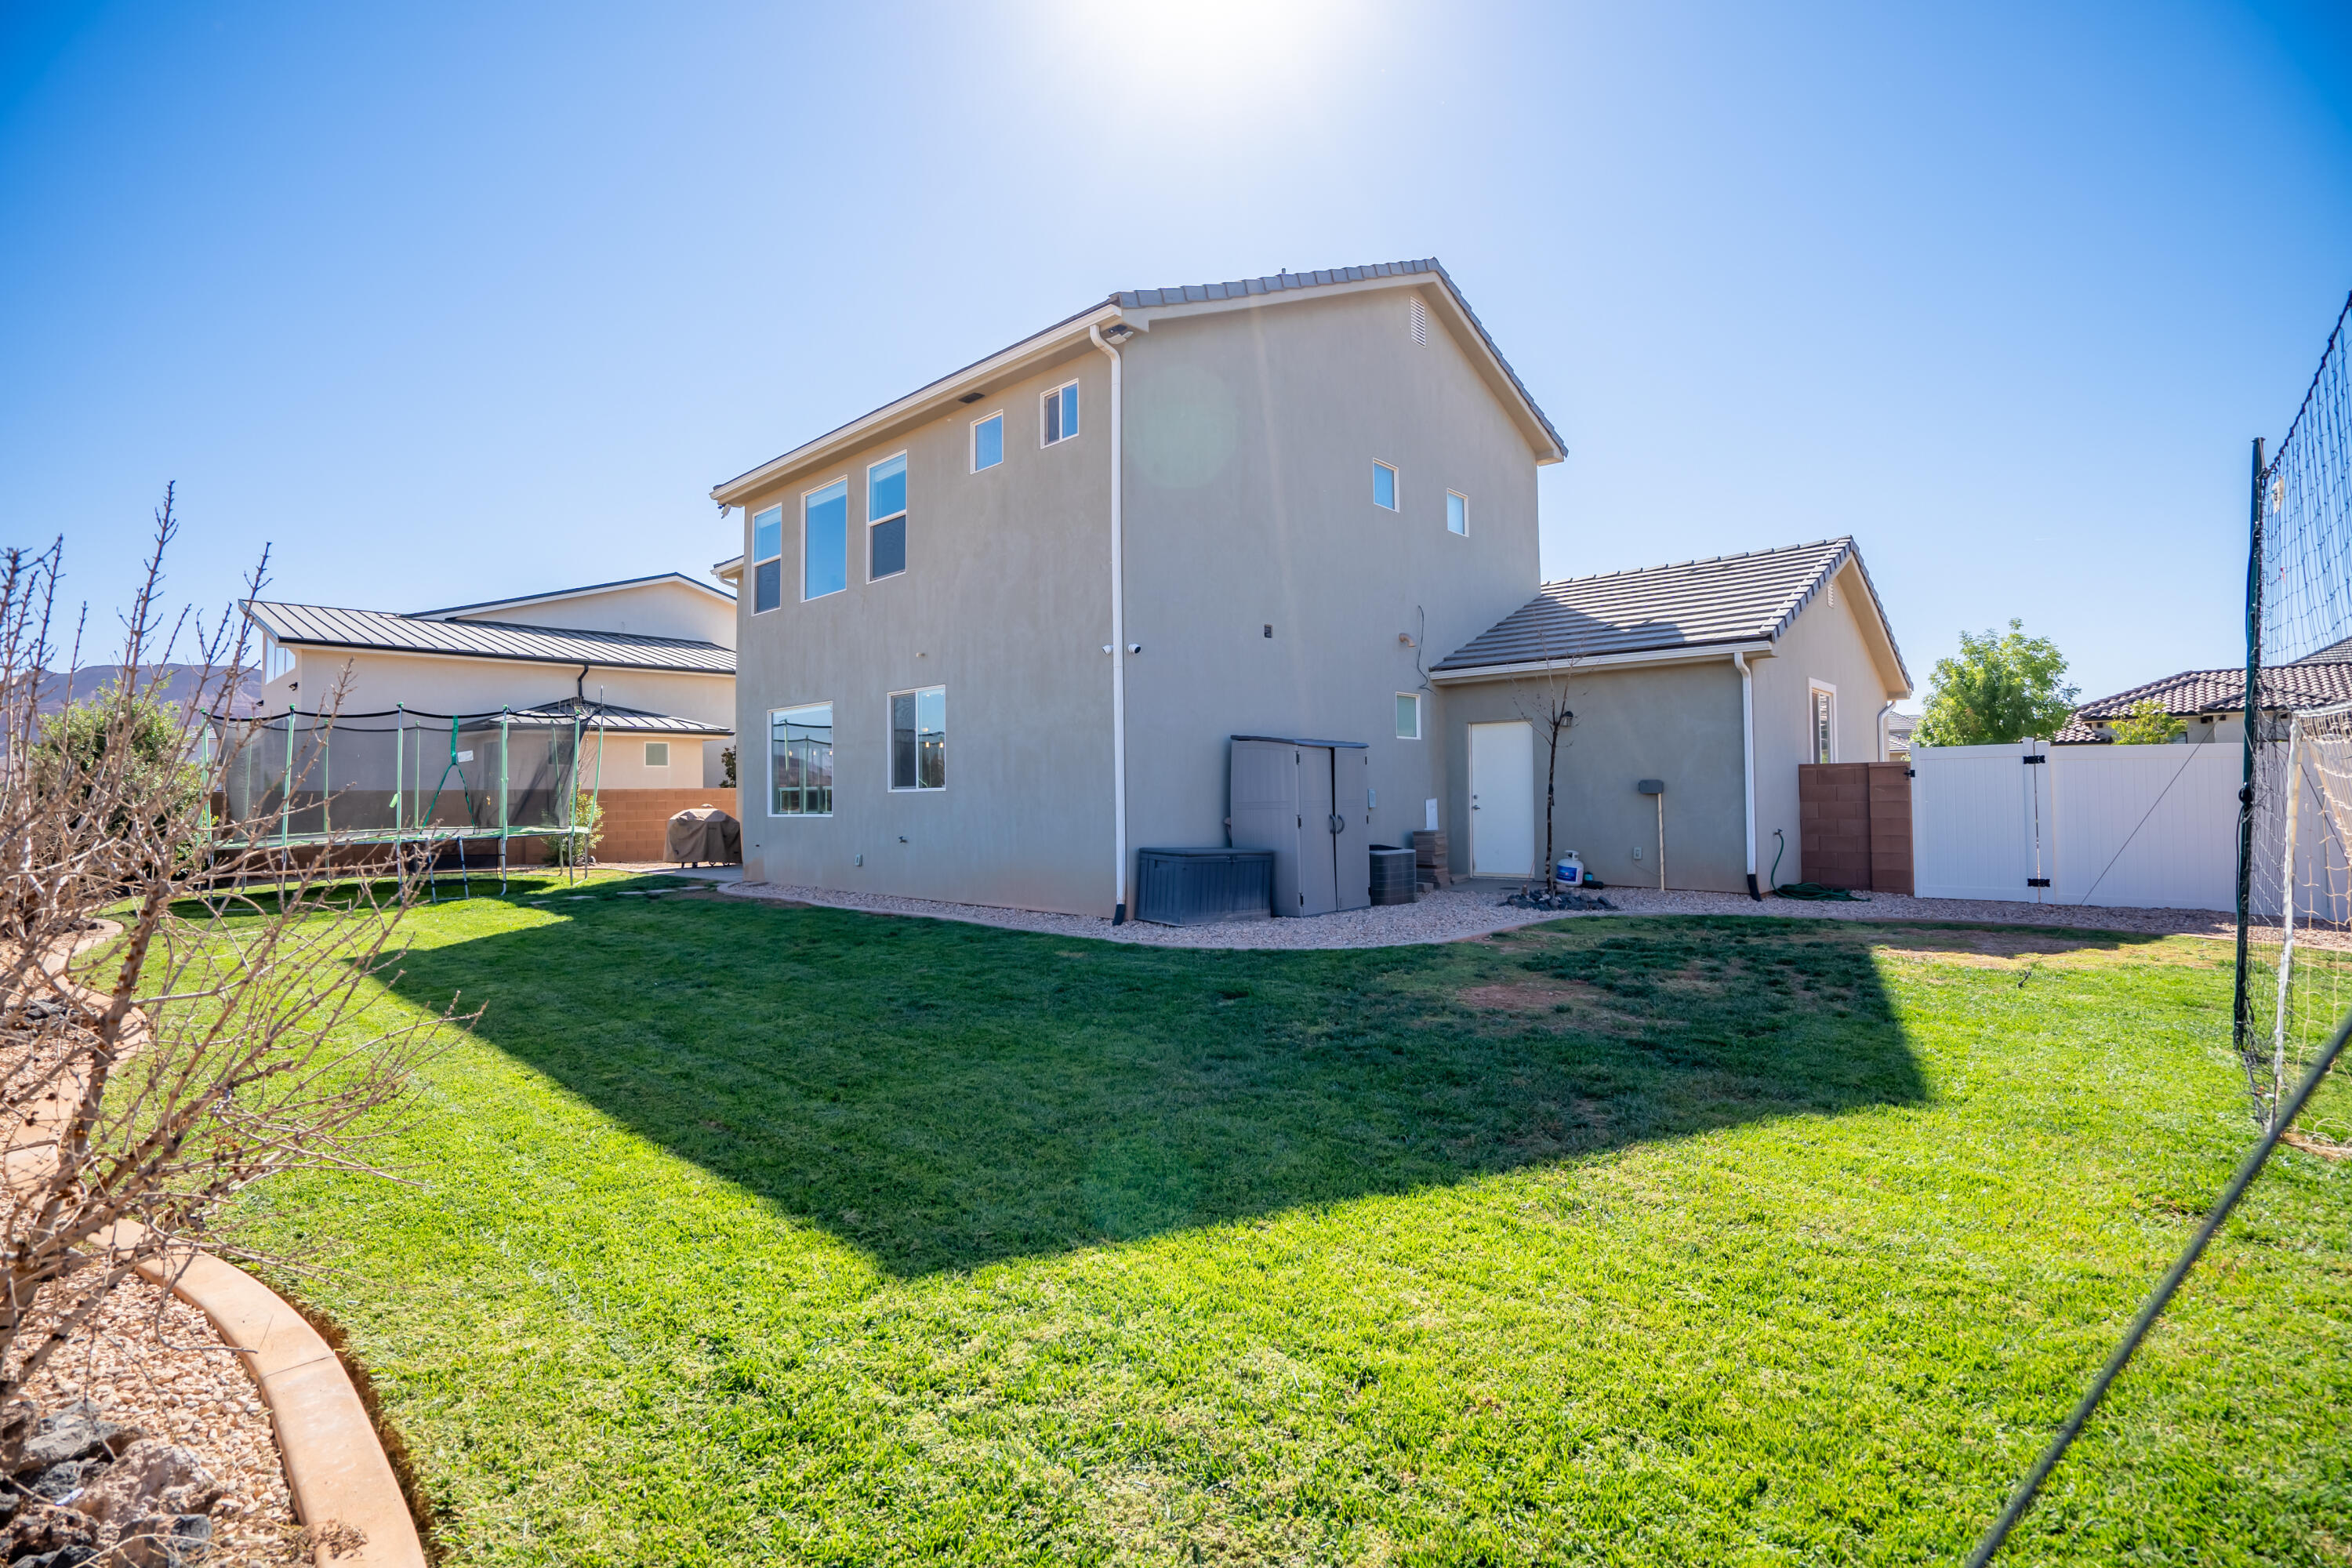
(945, 1096)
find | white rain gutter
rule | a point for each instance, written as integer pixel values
(1747, 759)
(1118, 649)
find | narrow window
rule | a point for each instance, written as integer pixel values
(919, 739)
(825, 540)
(799, 761)
(768, 560)
(1408, 716)
(276, 659)
(1061, 413)
(886, 517)
(987, 442)
(1384, 486)
(656, 754)
(1420, 323)
(1824, 737)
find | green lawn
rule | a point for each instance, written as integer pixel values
(752, 1233)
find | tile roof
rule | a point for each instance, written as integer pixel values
(2192, 692)
(320, 626)
(1691, 603)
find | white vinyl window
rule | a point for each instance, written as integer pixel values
(1059, 415)
(1408, 715)
(767, 559)
(1384, 486)
(276, 659)
(799, 761)
(825, 539)
(886, 517)
(1457, 513)
(919, 739)
(987, 443)
(1823, 747)
(656, 754)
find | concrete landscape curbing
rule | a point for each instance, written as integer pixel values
(342, 1482)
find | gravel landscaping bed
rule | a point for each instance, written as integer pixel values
(153, 1387)
(1468, 910)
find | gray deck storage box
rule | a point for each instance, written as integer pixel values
(1309, 802)
(1392, 875)
(1203, 887)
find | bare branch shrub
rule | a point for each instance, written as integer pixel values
(147, 1079)
(1541, 696)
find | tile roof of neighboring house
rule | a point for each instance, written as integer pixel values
(1177, 297)
(2334, 653)
(1692, 604)
(2194, 692)
(614, 718)
(521, 599)
(320, 625)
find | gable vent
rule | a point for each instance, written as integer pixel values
(1420, 323)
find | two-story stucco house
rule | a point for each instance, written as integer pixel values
(999, 633)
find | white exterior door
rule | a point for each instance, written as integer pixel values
(1502, 799)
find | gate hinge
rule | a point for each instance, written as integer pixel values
(2037, 881)
(2029, 762)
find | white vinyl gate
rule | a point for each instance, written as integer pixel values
(2135, 827)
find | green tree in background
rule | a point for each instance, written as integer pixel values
(2000, 687)
(74, 743)
(2146, 723)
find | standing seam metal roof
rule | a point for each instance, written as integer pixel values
(322, 626)
(1690, 604)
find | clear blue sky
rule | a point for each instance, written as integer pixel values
(453, 301)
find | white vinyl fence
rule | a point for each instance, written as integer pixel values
(2135, 827)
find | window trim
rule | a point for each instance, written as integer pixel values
(665, 753)
(888, 740)
(1451, 497)
(1066, 435)
(975, 442)
(1396, 487)
(773, 815)
(843, 481)
(872, 523)
(1813, 689)
(1418, 727)
(753, 560)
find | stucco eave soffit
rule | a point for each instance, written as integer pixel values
(1065, 339)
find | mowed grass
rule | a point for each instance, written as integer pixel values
(747, 1234)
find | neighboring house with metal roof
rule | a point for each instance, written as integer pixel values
(1717, 677)
(998, 635)
(647, 663)
(2211, 703)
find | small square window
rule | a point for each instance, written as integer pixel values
(987, 442)
(1061, 413)
(1408, 716)
(1457, 513)
(656, 754)
(1384, 486)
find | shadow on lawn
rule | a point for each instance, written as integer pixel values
(943, 1096)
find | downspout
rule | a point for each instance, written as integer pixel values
(1747, 760)
(1883, 710)
(1118, 651)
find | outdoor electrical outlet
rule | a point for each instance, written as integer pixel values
(1637, 852)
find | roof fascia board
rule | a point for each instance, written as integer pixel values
(1705, 653)
(458, 610)
(1464, 329)
(305, 645)
(923, 403)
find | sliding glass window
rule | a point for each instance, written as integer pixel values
(825, 540)
(799, 761)
(919, 739)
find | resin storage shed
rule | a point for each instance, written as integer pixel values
(1309, 802)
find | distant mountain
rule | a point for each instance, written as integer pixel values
(178, 683)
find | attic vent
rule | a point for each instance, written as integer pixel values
(1832, 593)
(1420, 323)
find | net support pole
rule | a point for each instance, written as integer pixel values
(2240, 1016)
(572, 808)
(2286, 920)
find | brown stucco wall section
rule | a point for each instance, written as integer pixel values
(637, 821)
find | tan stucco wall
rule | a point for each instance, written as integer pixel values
(1249, 439)
(380, 681)
(1825, 643)
(668, 609)
(1675, 722)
